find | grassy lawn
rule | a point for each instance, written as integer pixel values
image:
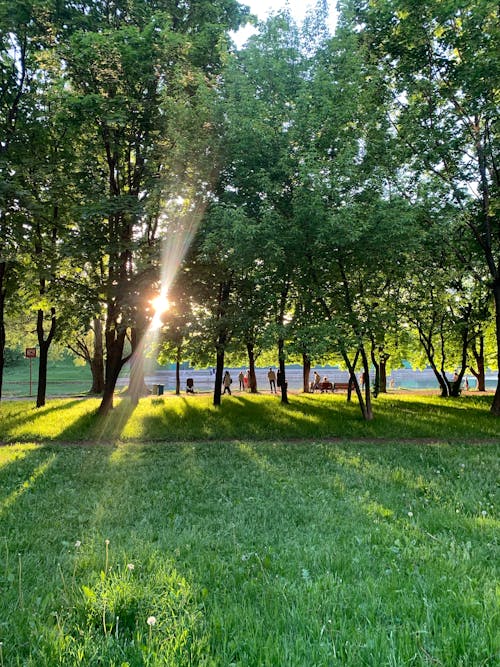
(248, 552)
(260, 417)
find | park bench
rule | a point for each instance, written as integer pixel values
(325, 386)
(341, 386)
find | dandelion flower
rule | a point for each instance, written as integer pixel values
(151, 621)
(484, 512)
(78, 544)
(130, 566)
(410, 514)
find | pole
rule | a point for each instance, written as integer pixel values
(30, 375)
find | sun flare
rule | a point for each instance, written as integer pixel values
(160, 304)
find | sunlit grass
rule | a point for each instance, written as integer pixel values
(173, 418)
(249, 554)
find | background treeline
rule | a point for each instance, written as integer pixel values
(308, 197)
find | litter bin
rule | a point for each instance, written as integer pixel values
(158, 389)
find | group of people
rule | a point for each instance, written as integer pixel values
(275, 380)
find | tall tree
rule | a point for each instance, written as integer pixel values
(441, 68)
(142, 76)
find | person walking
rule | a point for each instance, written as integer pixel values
(241, 378)
(271, 375)
(226, 383)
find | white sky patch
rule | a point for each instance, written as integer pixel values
(263, 8)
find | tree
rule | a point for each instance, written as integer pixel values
(441, 70)
(143, 80)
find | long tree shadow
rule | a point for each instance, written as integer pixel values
(24, 418)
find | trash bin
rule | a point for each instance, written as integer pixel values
(158, 389)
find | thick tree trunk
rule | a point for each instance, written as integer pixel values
(44, 345)
(97, 359)
(219, 370)
(252, 378)
(115, 341)
(306, 372)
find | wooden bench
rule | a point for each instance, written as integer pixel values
(325, 386)
(342, 386)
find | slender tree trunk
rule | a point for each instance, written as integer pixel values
(383, 373)
(97, 359)
(252, 378)
(44, 345)
(364, 402)
(284, 383)
(495, 406)
(222, 339)
(3, 268)
(178, 372)
(478, 354)
(376, 364)
(306, 372)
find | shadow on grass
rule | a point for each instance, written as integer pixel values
(258, 530)
(30, 415)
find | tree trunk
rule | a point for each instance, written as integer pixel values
(495, 406)
(115, 341)
(252, 378)
(383, 373)
(306, 372)
(97, 359)
(178, 372)
(3, 267)
(284, 383)
(376, 365)
(219, 370)
(44, 345)
(479, 374)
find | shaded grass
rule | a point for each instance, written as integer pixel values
(251, 417)
(249, 554)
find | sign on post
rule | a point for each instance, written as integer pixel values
(30, 354)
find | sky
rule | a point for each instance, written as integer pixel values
(262, 8)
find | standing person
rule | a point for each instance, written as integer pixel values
(226, 383)
(246, 379)
(316, 381)
(362, 380)
(272, 380)
(241, 379)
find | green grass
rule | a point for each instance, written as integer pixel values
(63, 378)
(251, 536)
(249, 554)
(261, 417)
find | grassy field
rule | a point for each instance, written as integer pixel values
(247, 536)
(260, 417)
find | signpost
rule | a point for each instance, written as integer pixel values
(30, 354)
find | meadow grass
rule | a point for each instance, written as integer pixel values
(249, 554)
(251, 535)
(257, 417)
